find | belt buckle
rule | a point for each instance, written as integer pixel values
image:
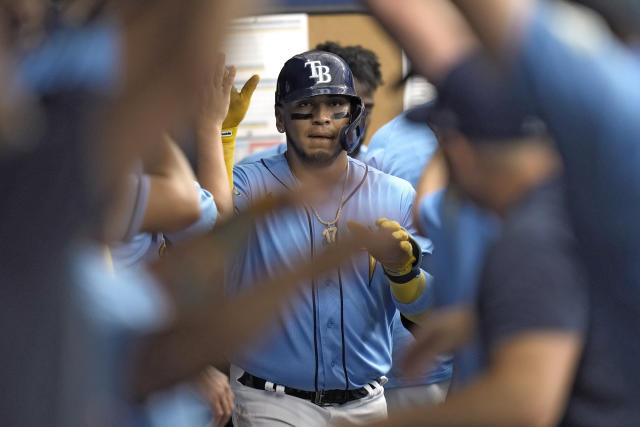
(318, 398)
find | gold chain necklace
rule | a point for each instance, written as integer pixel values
(330, 231)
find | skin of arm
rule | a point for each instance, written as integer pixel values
(526, 384)
(173, 199)
(497, 23)
(199, 339)
(212, 172)
(433, 33)
(434, 178)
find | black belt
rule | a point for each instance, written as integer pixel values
(320, 398)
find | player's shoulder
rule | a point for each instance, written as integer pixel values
(258, 167)
(377, 177)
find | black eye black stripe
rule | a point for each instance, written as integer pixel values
(299, 116)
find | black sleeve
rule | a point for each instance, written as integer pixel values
(532, 282)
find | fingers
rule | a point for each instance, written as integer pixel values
(400, 235)
(250, 86)
(219, 69)
(230, 76)
(227, 404)
(442, 332)
(381, 221)
(406, 247)
(389, 225)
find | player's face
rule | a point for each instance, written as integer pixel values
(313, 126)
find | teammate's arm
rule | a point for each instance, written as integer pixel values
(212, 172)
(526, 384)
(173, 202)
(433, 33)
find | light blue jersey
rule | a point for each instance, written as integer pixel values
(402, 148)
(461, 234)
(267, 152)
(282, 148)
(304, 350)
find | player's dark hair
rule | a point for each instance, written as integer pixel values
(363, 62)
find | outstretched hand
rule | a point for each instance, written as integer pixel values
(389, 244)
(217, 96)
(441, 332)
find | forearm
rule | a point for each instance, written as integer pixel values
(212, 171)
(432, 33)
(172, 203)
(526, 383)
(489, 401)
(221, 328)
(497, 23)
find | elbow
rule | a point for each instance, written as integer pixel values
(187, 207)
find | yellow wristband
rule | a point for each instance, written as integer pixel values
(229, 148)
(408, 292)
(229, 135)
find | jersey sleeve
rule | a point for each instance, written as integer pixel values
(138, 194)
(208, 216)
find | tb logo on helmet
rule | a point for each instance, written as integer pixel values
(319, 71)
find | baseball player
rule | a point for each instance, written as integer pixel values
(367, 77)
(325, 360)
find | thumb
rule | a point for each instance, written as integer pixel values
(250, 86)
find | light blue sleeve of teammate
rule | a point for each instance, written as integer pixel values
(208, 216)
(134, 245)
(585, 87)
(139, 185)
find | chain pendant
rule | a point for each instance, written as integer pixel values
(329, 233)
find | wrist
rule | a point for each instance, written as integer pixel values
(228, 134)
(208, 128)
(408, 271)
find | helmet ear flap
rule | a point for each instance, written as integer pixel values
(352, 133)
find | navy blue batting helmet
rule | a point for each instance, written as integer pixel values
(316, 73)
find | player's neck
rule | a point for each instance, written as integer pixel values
(326, 174)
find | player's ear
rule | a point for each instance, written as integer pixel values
(279, 118)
